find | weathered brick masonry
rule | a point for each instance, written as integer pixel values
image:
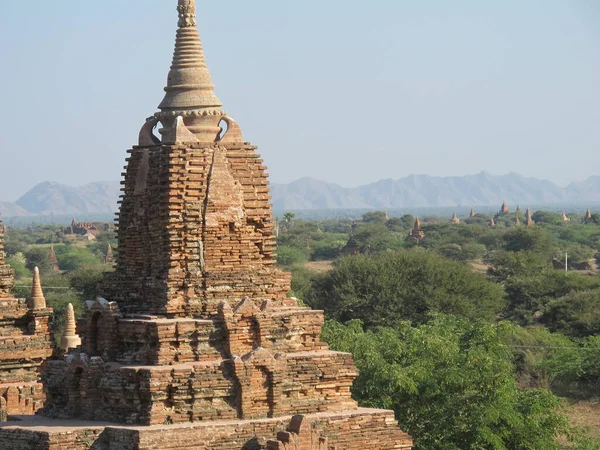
(25, 343)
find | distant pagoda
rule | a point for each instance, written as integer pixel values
(416, 234)
(504, 208)
(454, 219)
(529, 218)
(53, 260)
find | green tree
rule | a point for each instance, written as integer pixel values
(403, 285)
(85, 280)
(576, 314)
(451, 383)
(528, 239)
(375, 217)
(38, 257)
(289, 256)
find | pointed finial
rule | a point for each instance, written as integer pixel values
(37, 300)
(472, 214)
(187, 13)
(417, 224)
(189, 91)
(69, 338)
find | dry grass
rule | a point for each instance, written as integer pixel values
(319, 266)
(586, 413)
(480, 266)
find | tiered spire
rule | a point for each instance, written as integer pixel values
(69, 338)
(504, 208)
(472, 213)
(189, 90)
(37, 300)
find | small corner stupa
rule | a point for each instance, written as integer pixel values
(25, 343)
(194, 342)
(492, 222)
(416, 234)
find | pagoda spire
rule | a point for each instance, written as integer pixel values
(37, 300)
(69, 338)
(189, 91)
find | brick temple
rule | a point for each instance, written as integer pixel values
(194, 343)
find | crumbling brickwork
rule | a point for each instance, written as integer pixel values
(25, 343)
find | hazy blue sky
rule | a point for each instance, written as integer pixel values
(345, 91)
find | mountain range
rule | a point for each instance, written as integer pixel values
(417, 191)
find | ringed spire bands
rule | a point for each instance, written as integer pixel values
(189, 90)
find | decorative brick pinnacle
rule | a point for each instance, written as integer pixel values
(187, 13)
(69, 338)
(37, 300)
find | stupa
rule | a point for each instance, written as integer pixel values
(25, 343)
(416, 234)
(529, 218)
(194, 343)
(454, 219)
